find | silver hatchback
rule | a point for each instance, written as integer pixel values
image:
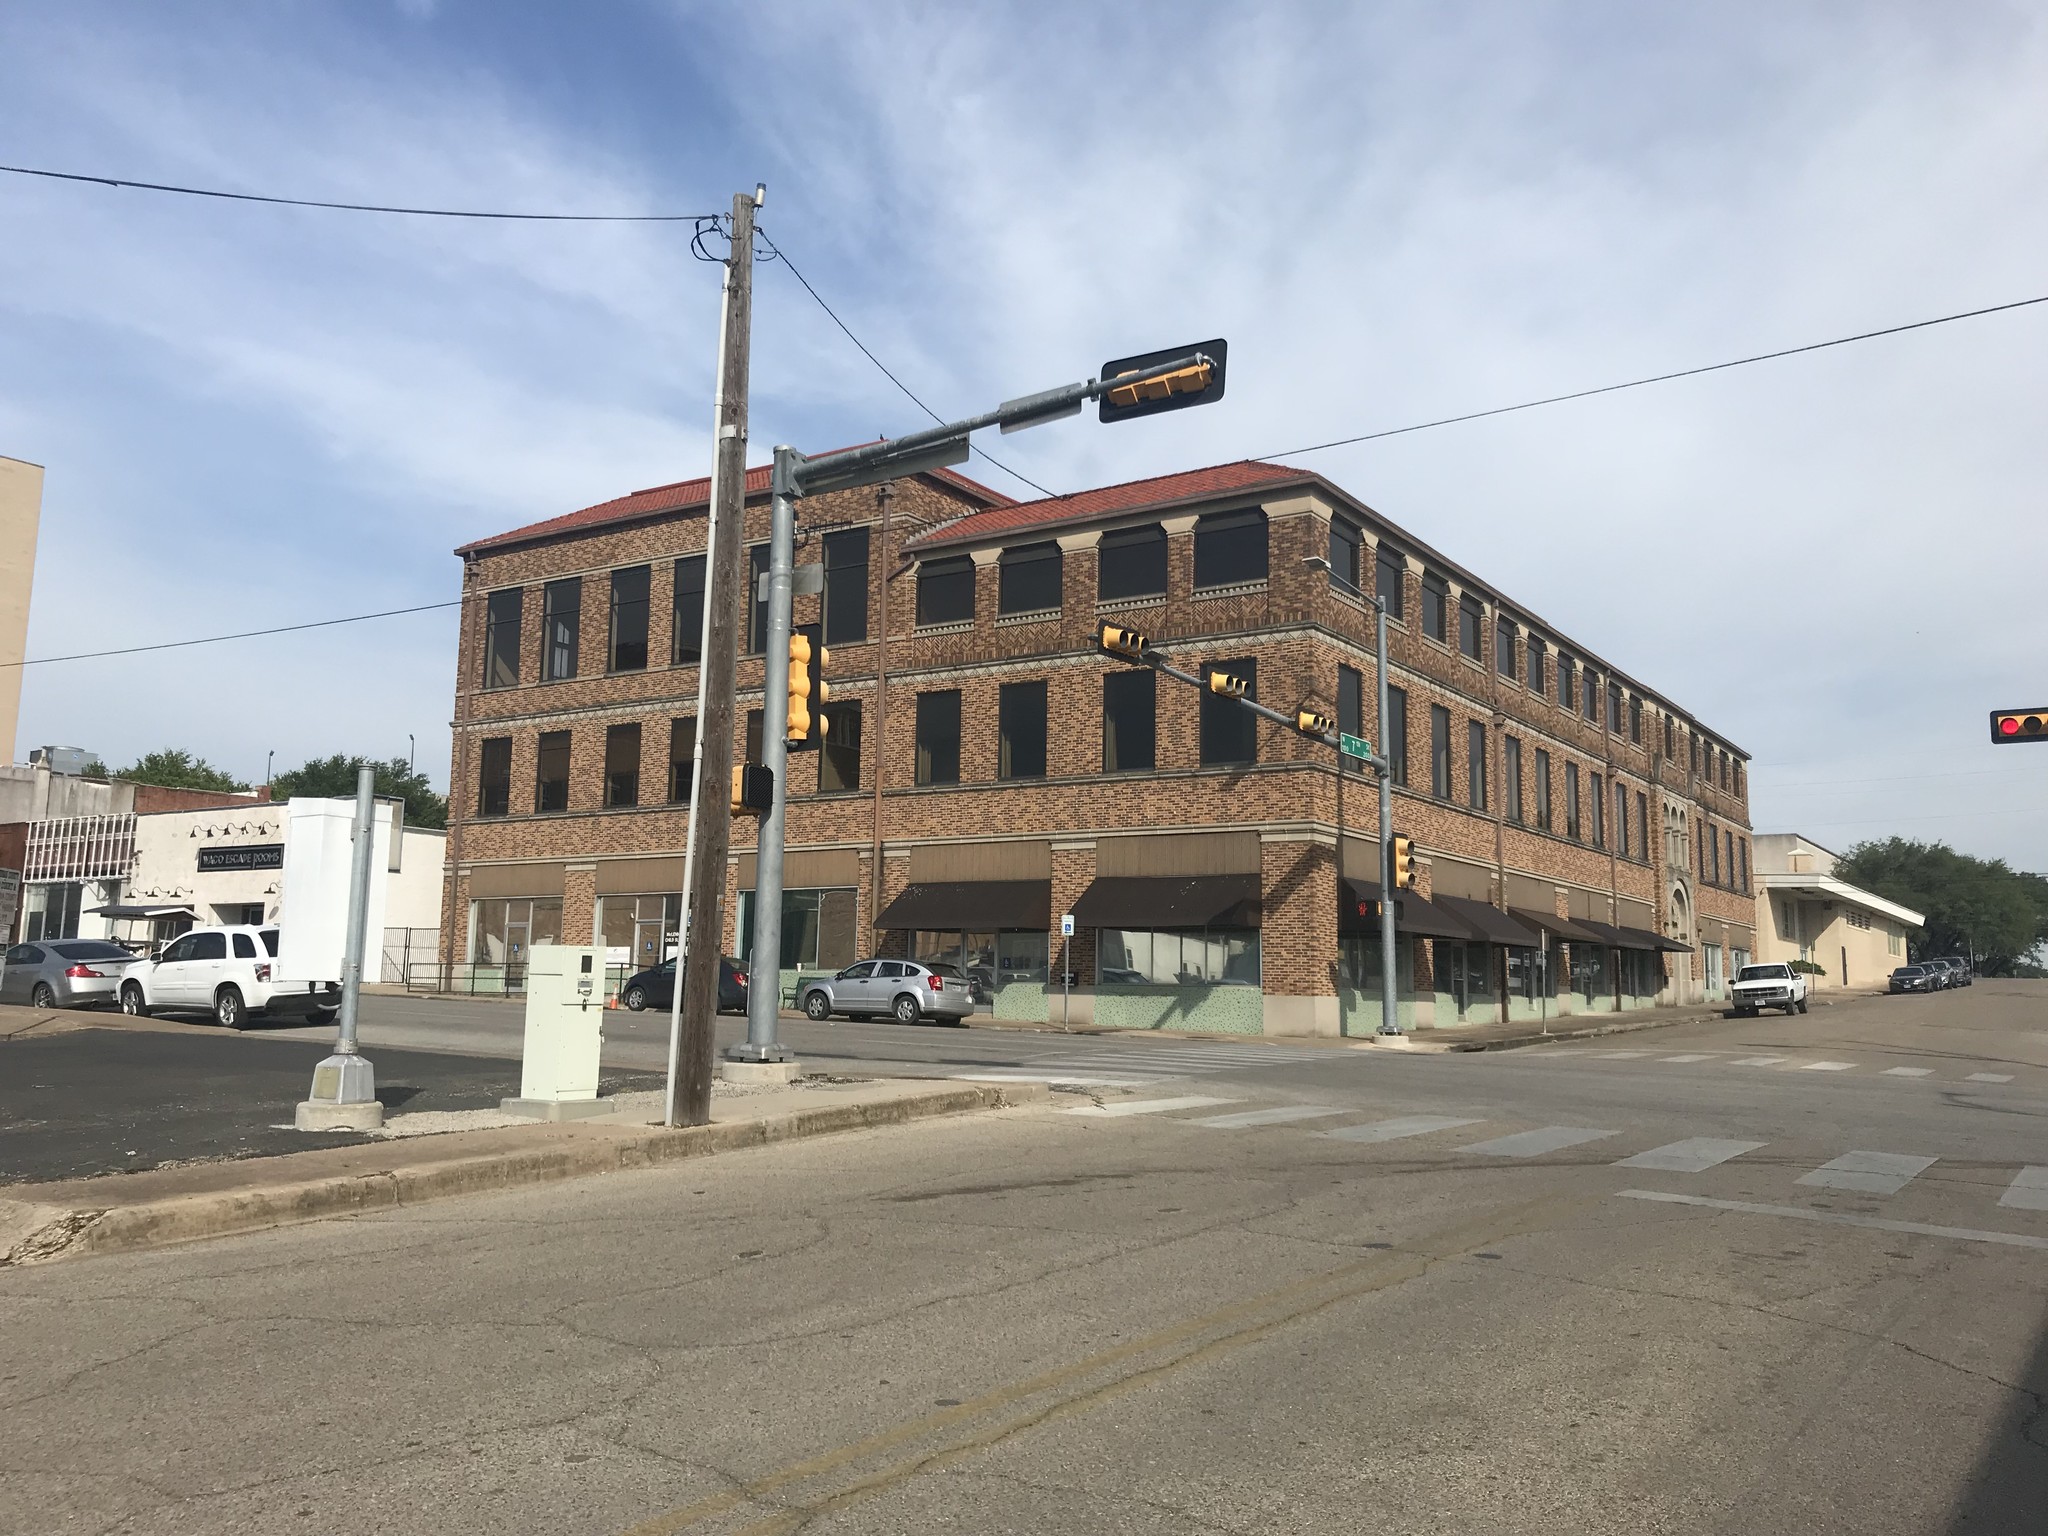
(907, 990)
(64, 973)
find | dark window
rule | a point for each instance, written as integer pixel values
(1566, 672)
(1597, 804)
(846, 586)
(839, 756)
(1745, 866)
(1131, 562)
(1571, 801)
(1507, 648)
(494, 777)
(752, 749)
(1347, 543)
(1475, 764)
(1535, 678)
(1642, 826)
(1388, 568)
(1589, 695)
(1621, 819)
(1396, 744)
(1470, 618)
(682, 752)
(686, 639)
(1713, 856)
(1543, 818)
(1440, 751)
(1351, 701)
(561, 625)
(1738, 779)
(208, 946)
(1728, 859)
(1020, 723)
(1692, 750)
(629, 618)
(1670, 748)
(757, 605)
(1230, 547)
(1230, 734)
(938, 737)
(1129, 704)
(551, 772)
(1511, 777)
(1436, 600)
(1635, 719)
(1028, 579)
(1614, 708)
(502, 611)
(1725, 761)
(945, 591)
(245, 947)
(622, 765)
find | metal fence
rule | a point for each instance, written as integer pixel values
(405, 950)
(426, 974)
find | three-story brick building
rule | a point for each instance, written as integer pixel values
(1583, 841)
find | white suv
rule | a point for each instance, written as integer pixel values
(230, 973)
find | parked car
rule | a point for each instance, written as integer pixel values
(656, 987)
(1944, 978)
(1914, 978)
(64, 973)
(906, 990)
(1758, 987)
(230, 973)
(1961, 973)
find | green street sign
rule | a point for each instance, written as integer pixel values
(1354, 746)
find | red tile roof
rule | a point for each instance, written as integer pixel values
(682, 496)
(1104, 501)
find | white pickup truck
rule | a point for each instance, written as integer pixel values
(1758, 987)
(231, 973)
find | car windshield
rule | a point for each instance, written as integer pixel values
(269, 938)
(89, 949)
(1763, 973)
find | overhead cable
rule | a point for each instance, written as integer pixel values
(246, 634)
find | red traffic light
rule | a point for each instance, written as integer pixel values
(2011, 725)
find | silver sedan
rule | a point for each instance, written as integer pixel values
(64, 973)
(907, 990)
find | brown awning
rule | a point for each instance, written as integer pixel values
(1489, 923)
(1414, 915)
(1169, 901)
(1642, 938)
(951, 905)
(1568, 928)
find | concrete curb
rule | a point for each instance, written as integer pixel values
(34, 1233)
(1621, 1026)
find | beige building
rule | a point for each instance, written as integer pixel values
(21, 516)
(1803, 912)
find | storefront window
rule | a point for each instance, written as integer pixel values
(505, 930)
(1591, 973)
(637, 931)
(817, 929)
(1178, 957)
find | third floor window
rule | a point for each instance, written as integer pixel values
(1439, 751)
(561, 628)
(686, 637)
(1028, 579)
(1131, 562)
(1506, 647)
(1436, 604)
(1230, 547)
(945, 590)
(1347, 544)
(629, 619)
(846, 586)
(1388, 568)
(1471, 618)
(502, 613)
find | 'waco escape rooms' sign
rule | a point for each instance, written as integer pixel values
(247, 856)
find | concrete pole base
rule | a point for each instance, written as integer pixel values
(326, 1115)
(557, 1109)
(758, 1072)
(344, 1096)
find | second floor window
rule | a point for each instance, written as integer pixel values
(1396, 727)
(1129, 705)
(839, 754)
(1643, 826)
(622, 765)
(1028, 579)
(629, 619)
(1230, 547)
(1506, 647)
(1571, 801)
(1535, 677)
(1595, 790)
(1470, 620)
(686, 635)
(682, 752)
(846, 586)
(757, 602)
(1230, 734)
(1543, 814)
(1131, 562)
(1439, 751)
(561, 627)
(1351, 701)
(1347, 543)
(1020, 725)
(551, 772)
(1388, 568)
(945, 591)
(1621, 819)
(494, 777)
(1511, 778)
(1436, 603)
(502, 614)
(938, 737)
(1475, 765)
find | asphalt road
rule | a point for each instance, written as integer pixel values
(1714, 1284)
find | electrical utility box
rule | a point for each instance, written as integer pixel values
(564, 1033)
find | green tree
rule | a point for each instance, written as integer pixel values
(334, 778)
(1973, 906)
(175, 768)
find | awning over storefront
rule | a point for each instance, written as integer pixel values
(1489, 924)
(138, 914)
(975, 905)
(1415, 915)
(1169, 901)
(1570, 929)
(1632, 938)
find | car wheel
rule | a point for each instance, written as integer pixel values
(906, 1010)
(42, 997)
(322, 1015)
(227, 1008)
(1800, 1005)
(817, 1007)
(132, 1003)
(635, 998)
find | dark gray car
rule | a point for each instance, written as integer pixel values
(907, 990)
(63, 973)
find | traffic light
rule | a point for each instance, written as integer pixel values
(808, 689)
(1197, 384)
(753, 790)
(1403, 862)
(1124, 644)
(1230, 687)
(1309, 723)
(2019, 725)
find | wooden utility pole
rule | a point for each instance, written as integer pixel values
(711, 798)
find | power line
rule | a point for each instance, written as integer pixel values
(247, 634)
(870, 356)
(307, 202)
(1658, 378)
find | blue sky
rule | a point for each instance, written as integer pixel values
(259, 415)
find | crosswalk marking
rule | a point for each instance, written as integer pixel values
(1990, 1077)
(1281, 1116)
(1828, 1066)
(1696, 1154)
(1619, 1055)
(1398, 1129)
(1870, 1173)
(1146, 1106)
(1551, 1138)
(1762, 1061)
(1840, 1219)
(1909, 1071)
(1052, 1079)
(1686, 1058)
(2028, 1190)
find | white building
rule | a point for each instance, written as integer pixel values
(1805, 911)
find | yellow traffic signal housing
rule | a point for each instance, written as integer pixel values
(1309, 723)
(2010, 725)
(1196, 384)
(1403, 862)
(1125, 644)
(1182, 381)
(753, 790)
(808, 689)
(1230, 687)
